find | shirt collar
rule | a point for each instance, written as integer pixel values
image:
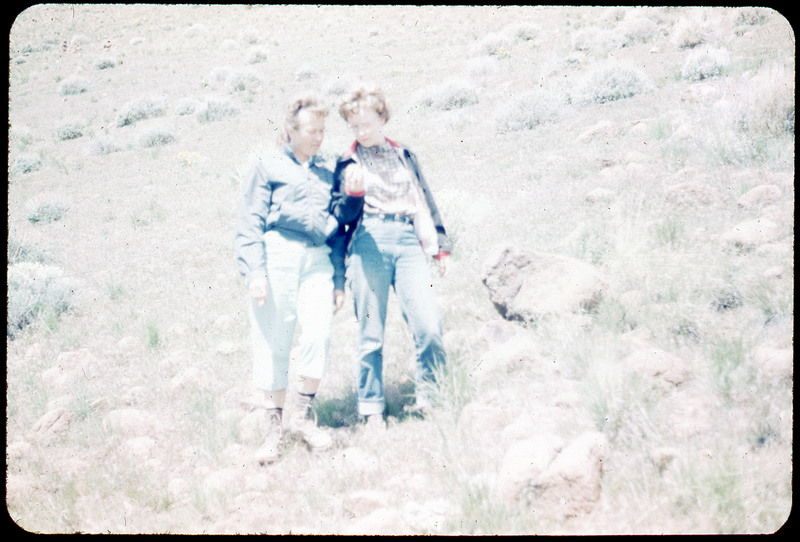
(313, 161)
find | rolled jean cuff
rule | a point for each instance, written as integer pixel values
(368, 408)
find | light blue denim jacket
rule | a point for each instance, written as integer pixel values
(279, 193)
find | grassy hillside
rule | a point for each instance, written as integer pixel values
(646, 142)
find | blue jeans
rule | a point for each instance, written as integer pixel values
(384, 254)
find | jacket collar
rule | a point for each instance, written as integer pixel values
(313, 161)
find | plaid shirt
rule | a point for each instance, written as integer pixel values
(390, 185)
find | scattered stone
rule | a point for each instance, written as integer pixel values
(570, 485)
(691, 193)
(603, 130)
(659, 364)
(523, 464)
(363, 502)
(775, 362)
(131, 422)
(190, 378)
(53, 422)
(752, 233)
(518, 351)
(526, 285)
(228, 348)
(760, 195)
(140, 448)
(129, 343)
(70, 367)
(600, 195)
(355, 459)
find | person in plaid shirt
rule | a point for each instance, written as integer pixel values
(393, 226)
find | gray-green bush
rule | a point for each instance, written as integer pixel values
(611, 83)
(141, 109)
(35, 290)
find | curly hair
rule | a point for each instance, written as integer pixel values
(310, 102)
(364, 96)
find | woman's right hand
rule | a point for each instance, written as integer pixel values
(354, 179)
(259, 290)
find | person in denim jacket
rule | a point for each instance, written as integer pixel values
(291, 254)
(392, 227)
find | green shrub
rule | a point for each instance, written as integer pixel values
(35, 291)
(493, 44)
(105, 63)
(242, 81)
(214, 109)
(26, 164)
(612, 83)
(18, 251)
(72, 86)
(186, 106)
(449, 95)
(155, 137)
(691, 31)
(527, 112)
(141, 109)
(99, 146)
(257, 54)
(45, 212)
(706, 64)
(69, 130)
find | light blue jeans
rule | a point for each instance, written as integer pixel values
(384, 254)
(300, 295)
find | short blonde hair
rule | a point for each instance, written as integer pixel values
(310, 102)
(364, 96)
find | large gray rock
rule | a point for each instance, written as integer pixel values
(527, 285)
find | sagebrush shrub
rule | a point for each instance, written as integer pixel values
(141, 109)
(105, 63)
(26, 164)
(73, 85)
(157, 136)
(69, 130)
(527, 111)
(691, 31)
(705, 64)
(101, 145)
(186, 106)
(493, 44)
(610, 84)
(242, 81)
(449, 95)
(35, 289)
(257, 54)
(45, 212)
(214, 109)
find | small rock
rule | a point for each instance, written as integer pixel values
(760, 195)
(752, 233)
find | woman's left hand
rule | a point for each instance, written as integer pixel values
(338, 300)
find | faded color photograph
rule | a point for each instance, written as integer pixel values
(400, 270)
